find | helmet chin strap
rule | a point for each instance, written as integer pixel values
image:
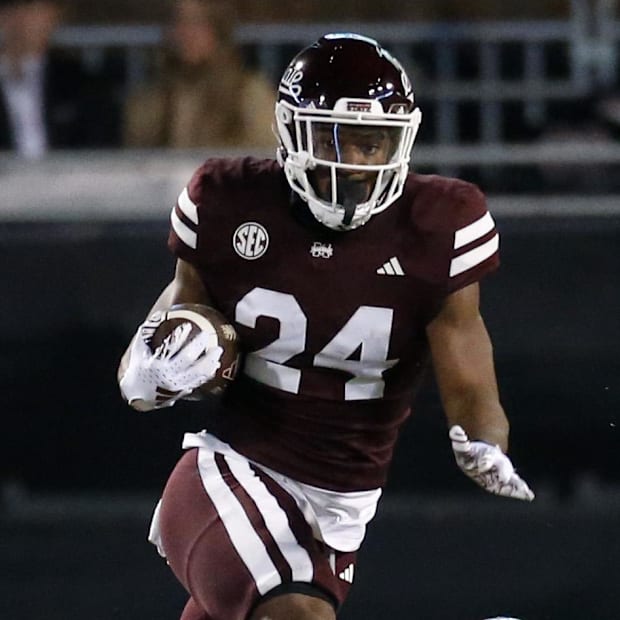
(350, 194)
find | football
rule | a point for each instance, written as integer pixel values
(204, 319)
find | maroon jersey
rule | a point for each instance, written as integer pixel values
(332, 323)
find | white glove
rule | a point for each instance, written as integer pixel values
(174, 370)
(488, 466)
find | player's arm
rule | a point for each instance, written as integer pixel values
(150, 380)
(462, 355)
(185, 287)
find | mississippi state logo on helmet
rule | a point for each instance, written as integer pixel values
(342, 84)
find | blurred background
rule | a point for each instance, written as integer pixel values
(521, 98)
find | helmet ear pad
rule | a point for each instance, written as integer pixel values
(284, 127)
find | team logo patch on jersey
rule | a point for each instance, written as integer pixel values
(251, 240)
(321, 250)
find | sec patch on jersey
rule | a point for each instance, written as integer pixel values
(205, 319)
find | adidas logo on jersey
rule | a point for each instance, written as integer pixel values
(391, 268)
(347, 573)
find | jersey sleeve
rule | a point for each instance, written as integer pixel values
(474, 241)
(207, 211)
(187, 220)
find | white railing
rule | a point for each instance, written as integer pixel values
(143, 185)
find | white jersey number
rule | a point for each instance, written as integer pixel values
(368, 330)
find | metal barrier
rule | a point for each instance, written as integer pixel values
(96, 184)
(482, 67)
(586, 174)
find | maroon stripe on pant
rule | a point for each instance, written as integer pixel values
(324, 576)
(256, 518)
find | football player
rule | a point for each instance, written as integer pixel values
(344, 274)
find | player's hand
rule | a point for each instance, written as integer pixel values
(175, 369)
(488, 466)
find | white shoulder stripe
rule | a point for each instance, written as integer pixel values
(188, 208)
(473, 231)
(184, 232)
(244, 538)
(474, 257)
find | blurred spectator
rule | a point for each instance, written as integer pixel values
(578, 122)
(608, 109)
(47, 100)
(203, 95)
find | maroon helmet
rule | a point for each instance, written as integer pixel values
(345, 91)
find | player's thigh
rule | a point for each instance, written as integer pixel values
(234, 538)
(294, 607)
(197, 545)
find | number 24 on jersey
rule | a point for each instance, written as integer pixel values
(368, 329)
